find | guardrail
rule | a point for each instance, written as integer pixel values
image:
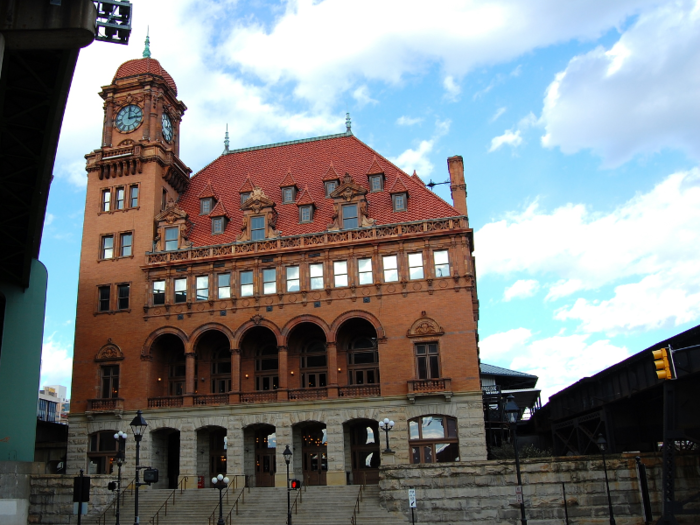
(233, 484)
(164, 507)
(102, 519)
(356, 508)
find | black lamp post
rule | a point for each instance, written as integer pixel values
(220, 482)
(121, 442)
(386, 425)
(601, 445)
(287, 458)
(512, 413)
(138, 427)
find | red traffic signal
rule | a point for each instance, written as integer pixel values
(295, 484)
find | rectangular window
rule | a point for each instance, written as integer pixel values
(399, 200)
(269, 280)
(349, 216)
(107, 247)
(205, 206)
(391, 268)
(180, 290)
(244, 197)
(257, 228)
(415, 265)
(106, 200)
(202, 282)
(171, 238)
(292, 278)
(375, 183)
(217, 225)
(110, 382)
(427, 361)
(316, 276)
(340, 273)
(442, 263)
(164, 199)
(120, 194)
(103, 299)
(224, 285)
(287, 195)
(125, 244)
(133, 196)
(158, 293)
(305, 213)
(331, 185)
(123, 296)
(364, 269)
(246, 284)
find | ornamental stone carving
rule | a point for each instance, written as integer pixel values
(109, 352)
(425, 327)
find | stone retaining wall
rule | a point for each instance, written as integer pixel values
(51, 499)
(484, 491)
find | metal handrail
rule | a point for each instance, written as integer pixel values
(295, 504)
(156, 517)
(356, 508)
(212, 517)
(102, 519)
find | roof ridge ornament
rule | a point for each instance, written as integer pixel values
(147, 49)
(226, 141)
(348, 123)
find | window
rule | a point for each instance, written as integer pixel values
(399, 201)
(266, 364)
(269, 280)
(125, 244)
(102, 452)
(106, 200)
(364, 269)
(415, 265)
(224, 285)
(246, 284)
(363, 362)
(245, 196)
(442, 263)
(313, 362)
(427, 361)
(316, 276)
(171, 235)
(292, 278)
(349, 216)
(202, 282)
(340, 273)
(433, 439)
(120, 194)
(180, 290)
(205, 206)
(306, 213)
(257, 228)
(221, 372)
(331, 185)
(103, 293)
(376, 183)
(123, 297)
(133, 196)
(218, 225)
(177, 369)
(391, 268)
(158, 293)
(107, 247)
(163, 199)
(110, 382)
(288, 195)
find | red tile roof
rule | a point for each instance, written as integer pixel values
(309, 159)
(305, 198)
(288, 180)
(398, 186)
(141, 66)
(375, 168)
(207, 192)
(331, 174)
(219, 210)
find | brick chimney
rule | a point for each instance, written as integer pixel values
(458, 187)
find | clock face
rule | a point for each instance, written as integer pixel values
(129, 118)
(167, 127)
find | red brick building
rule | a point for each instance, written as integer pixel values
(288, 294)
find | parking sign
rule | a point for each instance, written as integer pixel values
(412, 498)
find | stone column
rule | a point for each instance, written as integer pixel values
(283, 373)
(109, 116)
(332, 353)
(188, 455)
(235, 450)
(284, 437)
(235, 395)
(336, 454)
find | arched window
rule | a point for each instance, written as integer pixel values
(314, 365)
(221, 372)
(433, 439)
(101, 452)
(266, 365)
(363, 361)
(176, 375)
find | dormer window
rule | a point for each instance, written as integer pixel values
(350, 216)
(288, 194)
(171, 239)
(218, 225)
(399, 201)
(205, 205)
(376, 183)
(331, 185)
(257, 228)
(245, 196)
(306, 213)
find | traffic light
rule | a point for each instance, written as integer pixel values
(295, 484)
(663, 361)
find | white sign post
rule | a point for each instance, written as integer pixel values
(412, 503)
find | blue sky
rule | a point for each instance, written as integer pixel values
(578, 121)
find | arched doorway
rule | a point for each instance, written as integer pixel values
(213, 354)
(168, 368)
(211, 457)
(265, 456)
(362, 436)
(357, 347)
(314, 452)
(259, 360)
(165, 456)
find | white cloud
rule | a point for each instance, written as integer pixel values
(49, 219)
(408, 121)
(494, 347)
(521, 289)
(636, 98)
(418, 159)
(499, 112)
(509, 138)
(452, 89)
(361, 95)
(646, 246)
(56, 363)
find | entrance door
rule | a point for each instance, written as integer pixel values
(265, 465)
(314, 454)
(217, 454)
(173, 459)
(364, 449)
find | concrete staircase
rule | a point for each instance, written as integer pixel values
(319, 505)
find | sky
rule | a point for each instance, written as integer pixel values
(578, 121)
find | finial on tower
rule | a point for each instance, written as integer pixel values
(226, 143)
(147, 49)
(348, 123)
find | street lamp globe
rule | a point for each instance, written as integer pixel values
(512, 409)
(287, 455)
(601, 442)
(138, 425)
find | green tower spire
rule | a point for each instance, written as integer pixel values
(147, 49)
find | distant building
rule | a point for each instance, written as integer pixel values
(52, 405)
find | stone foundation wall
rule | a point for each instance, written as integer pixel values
(484, 491)
(51, 499)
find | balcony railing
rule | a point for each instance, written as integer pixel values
(259, 397)
(422, 387)
(304, 394)
(115, 403)
(211, 399)
(165, 402)
(359, 391)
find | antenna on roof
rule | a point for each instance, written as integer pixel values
(226, 143)
(147, 49)
(432, 184)
(348, 123)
